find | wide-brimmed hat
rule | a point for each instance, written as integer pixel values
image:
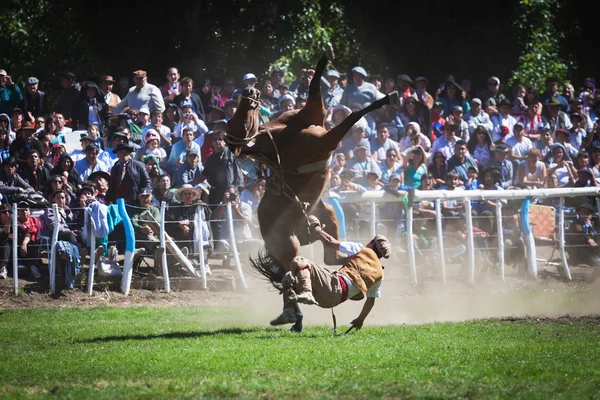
(139, 73)
(27, 126)
(99, 174)
(187, 188)
(124, 146)
(107, 78)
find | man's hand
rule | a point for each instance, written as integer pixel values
(147, 230)
(23, 250)
(357, 324)
(8, 81)
(178, 162)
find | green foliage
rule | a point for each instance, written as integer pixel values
(542, 55)
(40, 38)
(105, 352)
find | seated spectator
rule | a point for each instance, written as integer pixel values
(90, 164)
(29, 250)
(545, 142)
(438, 169)
(582, 240)
(361, 164)
(391, 166)
(461, 161)
(415, 112)
(153, 167)
(25, 142)
(64, 219)
(83, 198)
(415, 165)
(35, 173)
(162, 192)
(59, 182)
(577, 134)
(503, 119)
(477, 117)
(339, 163)
(180, 149)
(77, 154)
(472, 182)
(152, 147)
(457, 119)
(519, 144)
(582, 160)
(453, 95)
(563, 137)
(101, 181)
(253, 194)
(501, 162)
(12, 186)
(189, 120)
(446, 143)
(23, 242)
(156, 123)
(187, 98)
(190, 172)
(182, 230)
(480, 146)
(532, 120)
(171, 116)
(453, 208)
(585, 178)
(437, 120)
(532, 172)
(414, 137)
(348, 185)
(560, 164)
(382, 143)
(373, 182)
(354, 137)
(145, 219)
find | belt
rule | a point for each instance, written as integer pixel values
(344, 288)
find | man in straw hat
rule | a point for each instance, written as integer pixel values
(360, 276)
(106, 85)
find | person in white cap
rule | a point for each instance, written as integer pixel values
(359, 91)
(330, 90)
(10, 94)
(476, 117)
(249, 80)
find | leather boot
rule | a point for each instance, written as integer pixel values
(303, 283)
(288, 316)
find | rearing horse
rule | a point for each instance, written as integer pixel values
(297, 149)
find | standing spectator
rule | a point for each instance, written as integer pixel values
(34, 103)
(421, 91)
(437, 120)
(453, 95)
(142, 94)
(90, 108)
(552, 91)
(109, 156)
(302, 89)
(491, 98)
(187, 97)
(10, 94)
(70, 90)
(17, 120)
(128, 177)
(111, 99)
(519, 106)
(403, 83)
(437, 169)
(220, 169)
(101, 179)
(460, 162)
(331, 91)
(477, 117)
(35, 172)
(24, 143)
(210, 94)
(90, 164)
(64, 167)
(172, 88)
(504, 165)
(359, 91)
(171, 116)
(122, 87)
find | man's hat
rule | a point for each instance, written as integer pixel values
(552, 101)
(360, 70)
(3, 72)
(438, 104)
(395, 176)
(476, 100)
(139, 73)
(221, 112)
(577, 100)
(587, 206)
(363, 144)
(99, 174)
(17, 110)
(145, 192)
(22, 204)
(249, 76)
(504, 102)
(92, 146)
(144, 110)
(332, 72)
(192, 152)
(563, 131)
(27, 126)
(87, 137)
(575, 115)
(457, 108)
(286, 97)
(501, 148)
(422, 78)
(123, 146)
(68, 75)
(107, 78)
(404, 77)
(120, 134)
(32, 80)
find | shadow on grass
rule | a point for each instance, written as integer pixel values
(171, 335)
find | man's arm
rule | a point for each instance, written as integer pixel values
(119, 107)
(367, 307)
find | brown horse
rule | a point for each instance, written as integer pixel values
(297, 149)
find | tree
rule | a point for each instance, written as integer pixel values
(542, 56)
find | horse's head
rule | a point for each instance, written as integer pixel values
(243, 125)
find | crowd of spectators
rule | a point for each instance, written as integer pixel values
(147, 144)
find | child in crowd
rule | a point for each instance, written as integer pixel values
(519, 106)
(473, 182)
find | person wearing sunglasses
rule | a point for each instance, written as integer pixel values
(491, 96)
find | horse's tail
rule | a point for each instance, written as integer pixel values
(269, 268)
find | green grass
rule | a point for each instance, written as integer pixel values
(194, 352)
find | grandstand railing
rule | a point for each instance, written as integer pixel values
(372, 199)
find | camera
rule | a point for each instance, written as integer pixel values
(188, 115)
(232, 196)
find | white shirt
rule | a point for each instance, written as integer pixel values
(498, 121)
(521, 148)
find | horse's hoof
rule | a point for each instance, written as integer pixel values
(329, 52)
(393, 98)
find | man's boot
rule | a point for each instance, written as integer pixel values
(297, 327)
(303, 283)
(288, 316)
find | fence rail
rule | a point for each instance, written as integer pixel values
(371, 200)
